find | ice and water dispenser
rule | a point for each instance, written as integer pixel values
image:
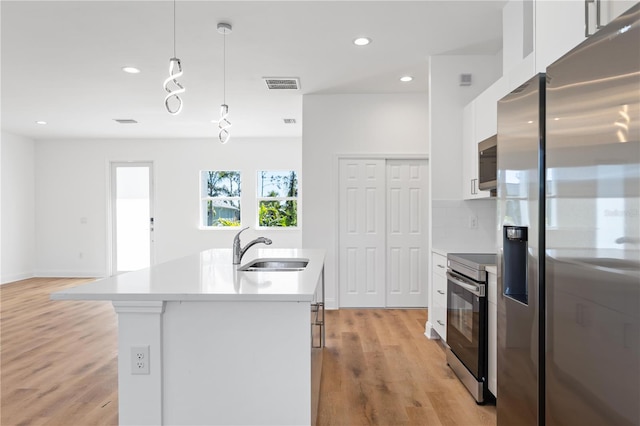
(515, 248)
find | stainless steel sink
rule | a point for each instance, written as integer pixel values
(275, 265)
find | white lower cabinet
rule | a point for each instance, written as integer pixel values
(438, 308)
(493, 341)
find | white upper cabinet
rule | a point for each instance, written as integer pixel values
(563, 24)
(469, 153)
(486, 110)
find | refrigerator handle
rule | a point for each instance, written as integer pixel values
(598, 8)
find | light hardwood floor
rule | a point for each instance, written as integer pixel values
(58, 365)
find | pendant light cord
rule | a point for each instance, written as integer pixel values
(174, 28)
(224, 68)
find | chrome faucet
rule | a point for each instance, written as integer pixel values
(238, 251)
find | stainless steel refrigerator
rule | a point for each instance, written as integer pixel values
(569, 251)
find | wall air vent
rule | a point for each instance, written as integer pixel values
(289, 120)
(282, 83)
(125, 120)
(465, 79)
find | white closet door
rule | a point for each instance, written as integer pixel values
(407, 232)
(362, 233)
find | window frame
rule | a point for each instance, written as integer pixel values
(203, 199)
(260, 199)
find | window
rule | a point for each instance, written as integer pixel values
(220, 198)
(278, 198)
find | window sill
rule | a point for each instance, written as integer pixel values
(219, 228)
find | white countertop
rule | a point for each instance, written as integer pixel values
(207, 276)
(440, 251)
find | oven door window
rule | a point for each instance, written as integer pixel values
(463, 326)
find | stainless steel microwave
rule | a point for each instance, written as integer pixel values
(488, 163)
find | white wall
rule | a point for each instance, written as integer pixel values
(72, 184)
(18, 208)
(451, 231)
(449, 215)
(350, 124)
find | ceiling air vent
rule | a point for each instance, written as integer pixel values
(125, 120)
(465, 79)
(282, 83)
(289, 120)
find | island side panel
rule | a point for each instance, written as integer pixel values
(236, 363)
(139, 395)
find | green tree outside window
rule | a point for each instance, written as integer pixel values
(220, 198)
(278, 198)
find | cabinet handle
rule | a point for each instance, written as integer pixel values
(586, 16)
(441, 292)
(440, 266)
(472, 186)
(440, 322)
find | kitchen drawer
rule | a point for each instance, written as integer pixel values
(439, 264)
(440, 290)
(438, 319)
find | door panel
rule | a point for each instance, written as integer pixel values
(362, 233)
(407, 231)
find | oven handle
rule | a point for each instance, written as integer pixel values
(477, 289)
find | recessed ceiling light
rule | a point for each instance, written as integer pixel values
(406, 78)
(131, 70)
(42, 123)
(362, 41)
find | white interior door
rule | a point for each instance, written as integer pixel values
(131, 216)
(407, 233)
(362, 233)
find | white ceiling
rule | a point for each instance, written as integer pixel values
(61, 60)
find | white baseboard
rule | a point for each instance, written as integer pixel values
(330, 304)
(6, 279)
(71, 274)
(430, 332)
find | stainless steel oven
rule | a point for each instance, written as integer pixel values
(467, 320)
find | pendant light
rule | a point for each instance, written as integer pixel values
(175, 72)
(224, 123)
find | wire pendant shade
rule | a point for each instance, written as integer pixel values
(173, 96)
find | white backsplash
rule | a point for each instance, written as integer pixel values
(451, 229)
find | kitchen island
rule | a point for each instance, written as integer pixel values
(202, 342)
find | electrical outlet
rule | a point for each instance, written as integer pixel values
(140, 359)
(473, 222)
